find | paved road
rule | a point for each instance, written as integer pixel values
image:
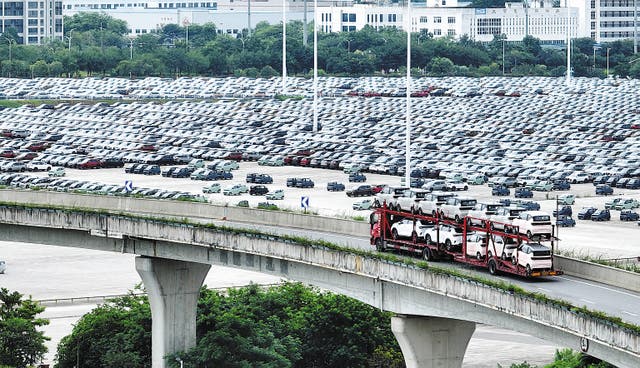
(48, 272)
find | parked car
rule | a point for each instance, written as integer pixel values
(334, 186)
(449, 236)
(362, 205)
(357, 178)
(405, 229)
(211, 188)
(533, 224)
(561, 184)
(633, 184)
(565, 221)
(565, 210)
(567, 199)
(236, 189)
(586, 213)
(57, 172)
(523, 193)
(38, 166)
(275, 195)
(604, 189)
(258, 190)
(542, 186)
(627, 215)
(626, 204)
(360, 191)
(500, 191)
(300, 182)
(456, 208)
(601, 215)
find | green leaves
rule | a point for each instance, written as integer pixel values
(21, 344)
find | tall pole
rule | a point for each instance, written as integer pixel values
(249, 18)
(407, 138)
(315, 66)
(131, 49)
(503, 55)
(284, 47)
(304, 26)
(568, 43)
(608, 48)
(635, 26)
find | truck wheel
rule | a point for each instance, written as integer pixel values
(493, 267)
(503, 256)
(447, 244)
(479, 256)
(427, 239)
(529, 235)
(514, 260)
(457, 218)
(380, 245)
(394, 234)
(427, 255)
(528, 270)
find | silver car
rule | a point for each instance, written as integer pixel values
(3, 266)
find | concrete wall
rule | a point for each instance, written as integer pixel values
(395, 287)
(600, 273)
(180, 209)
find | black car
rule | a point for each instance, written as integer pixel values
(263, 179)
(360, 191)
(565, 210)
(523, 193)
(586, 212)
(629, 216)
(169, 171)
(601, 215)
(501, 190)
(183, 172)
(561, 185)
(112, 162)
(258, 190)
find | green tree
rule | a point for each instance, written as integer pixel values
(21, 344)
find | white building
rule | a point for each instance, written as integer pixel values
(447, 18)
(229, 16)
(607, 20)
(34, 21)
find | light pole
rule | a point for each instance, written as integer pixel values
(568, 43)
(69, 39)
(635, 26)
(348, 45)
(180, 361)
(130, 48)
(407, 138)
(242, 40)
(284, 47)
(315, 66)
(594, 56)
(503, 56)
(10, 40)
(608, 48)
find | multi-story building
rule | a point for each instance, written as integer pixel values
(608, 20)
(33, 21)
(448, 18)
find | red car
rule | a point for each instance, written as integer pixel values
(90, 164)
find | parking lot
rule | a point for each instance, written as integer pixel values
(528, 129)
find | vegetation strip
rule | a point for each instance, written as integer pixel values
(385, 257)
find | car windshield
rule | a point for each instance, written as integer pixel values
(468, 202)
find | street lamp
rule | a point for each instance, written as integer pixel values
(608, 48)
(407, 138)
(10, 40)
(348, 45)
(69, 39)
(284, 47)
(130, 48)
(180, 361)
(503, 56)
(594, 55)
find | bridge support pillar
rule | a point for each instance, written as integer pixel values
(173, 288)
(432, 342)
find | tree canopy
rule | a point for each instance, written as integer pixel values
(21, 344)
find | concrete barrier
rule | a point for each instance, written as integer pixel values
(599, 273)
(180, 209)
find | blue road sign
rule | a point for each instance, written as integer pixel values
(128, 185)
(304, 202)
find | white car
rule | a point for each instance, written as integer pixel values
(38, 166)
(477, 246)
(450, 236)
(533, 223)
(456, 208)
(410, 200)
(501, 247)
(482, 212)
(389, 194)
(432, 202)
(533, 256)
(505, 216)
(579, 178)
(405, 229)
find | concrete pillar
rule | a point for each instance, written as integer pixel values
(432, 342)
(173, 288)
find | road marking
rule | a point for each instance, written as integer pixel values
(543, 289)
(629, 313)
(588, 301)
(602, 287)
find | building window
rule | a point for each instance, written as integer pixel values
(451, 20)
(437, 32)
(348, 17)
(391, 18)
(437, 19)
(423, 19)
(451, 32)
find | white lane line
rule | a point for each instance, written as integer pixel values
(543, 289)
(601, 287)
(629, 313)
(588, 301)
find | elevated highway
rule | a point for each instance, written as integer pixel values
(436, 311)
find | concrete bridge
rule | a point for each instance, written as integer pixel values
(436, 312)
